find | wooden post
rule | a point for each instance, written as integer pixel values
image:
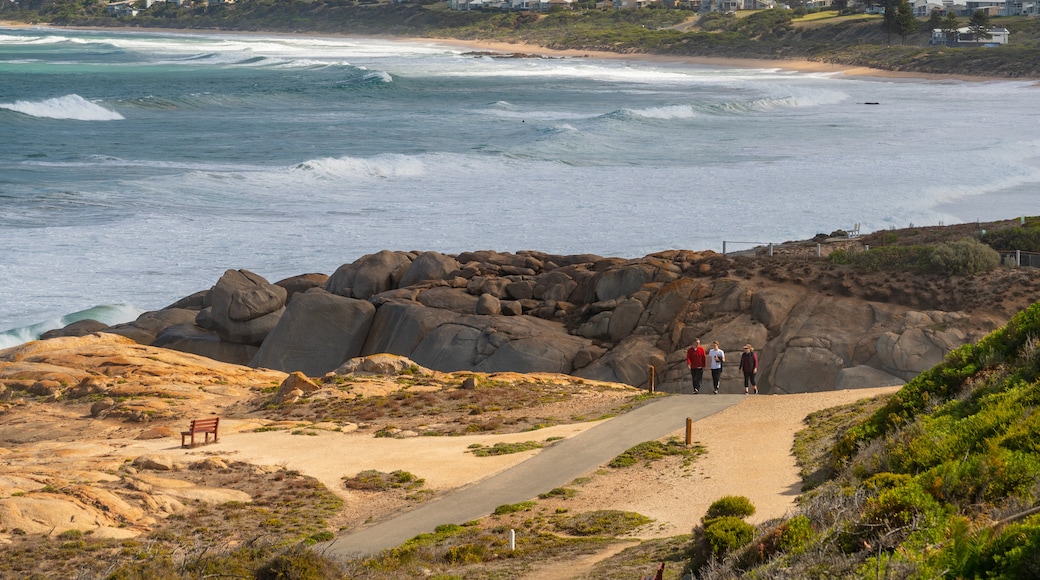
(512, 540)
(651, 378)
(689, 431)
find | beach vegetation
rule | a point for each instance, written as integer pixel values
(963, 257)
(601, 523)
(481, 450)
(940, 479)
(649, 451)
(374, 480)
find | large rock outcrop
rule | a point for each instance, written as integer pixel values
(317, 333)
(816, 326)
(244, 307)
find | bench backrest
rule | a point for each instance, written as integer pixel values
(204, 424)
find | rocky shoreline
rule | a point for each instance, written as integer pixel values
(816, 325)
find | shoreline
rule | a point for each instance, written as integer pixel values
(534, 50)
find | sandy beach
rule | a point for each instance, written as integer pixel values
(795, 65)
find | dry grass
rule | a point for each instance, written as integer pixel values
(287, 508)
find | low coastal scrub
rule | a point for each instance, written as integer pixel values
(941, 480)
(372, 480)
(958, 258)
(233, 538)
(649, 451)
(481, 450)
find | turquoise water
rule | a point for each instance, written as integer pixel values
(136, 167)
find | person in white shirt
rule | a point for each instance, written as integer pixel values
(715, 359)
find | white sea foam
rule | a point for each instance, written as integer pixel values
(378, 75)
(668, 112)
(380, 167)
(109, 314)
(72, 107)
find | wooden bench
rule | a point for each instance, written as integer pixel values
(206, 426)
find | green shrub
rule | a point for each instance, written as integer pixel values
(564, 492)
(465, 554)
(964, 258)
(728, 533)
(373, 480)
(897, 508)
(1025, 238)
(795, 534)
(885, 481)
(513, 507)
(893, 258)
(653, 450)
(71, 535)
(503, 448)
(298, 564)
(1015, 553)
(601, 523)
(736, 506)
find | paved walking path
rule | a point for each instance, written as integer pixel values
(553, 467)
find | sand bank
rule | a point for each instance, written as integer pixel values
(798, 65)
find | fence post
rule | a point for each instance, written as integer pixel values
(818, 250)
(723, 247)
(652, 378)
(1018, 258)
(770, 250)
(689, 431)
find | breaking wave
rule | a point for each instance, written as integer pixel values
(72, 107)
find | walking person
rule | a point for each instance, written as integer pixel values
(696, 359)
(715, 358)
(749, 366)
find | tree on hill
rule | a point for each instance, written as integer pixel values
(934, 20)
(888, 22)
(950, 24)
(979, 25)
(905, 23)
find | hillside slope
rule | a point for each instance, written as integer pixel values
(942, 481)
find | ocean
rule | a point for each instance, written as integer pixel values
(136, 167)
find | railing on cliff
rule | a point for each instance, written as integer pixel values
(1018, 258)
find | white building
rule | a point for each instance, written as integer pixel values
(997, 36)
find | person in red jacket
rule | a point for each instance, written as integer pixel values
(696, 359)
(749, 366)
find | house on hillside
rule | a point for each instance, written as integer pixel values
(997, 36)
(989, 7)
(124, 9)
(924, 8)
(1021, 8)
